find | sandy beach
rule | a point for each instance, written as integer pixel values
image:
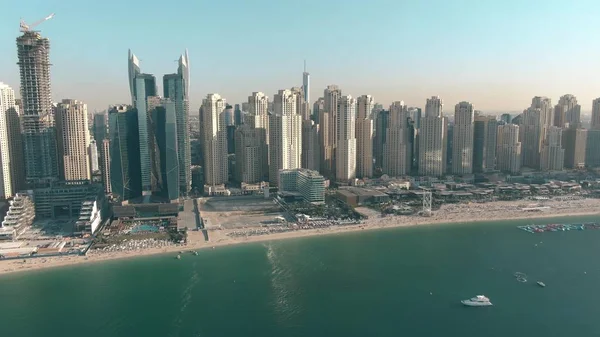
(451, 213)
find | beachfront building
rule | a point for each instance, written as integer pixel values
(20, 215)
(328, 127)
(553, 155)
(397, 149)
(462, 139)
(309, 184)
(509, 149)
(531, 131)
(285, 133)
(433, 139)
(574, 143)
(345, 152)
(485, 129)
(364, 136)
(73, 140)
(216, 171)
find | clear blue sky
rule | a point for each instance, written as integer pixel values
(496, 54)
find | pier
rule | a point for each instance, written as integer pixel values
(559, 227)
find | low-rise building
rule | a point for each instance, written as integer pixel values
(20, 215)
(310, 184)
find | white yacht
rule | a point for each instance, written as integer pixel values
(477, 301)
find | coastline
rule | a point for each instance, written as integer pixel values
(448, 214)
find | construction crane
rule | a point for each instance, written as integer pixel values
(24, 27)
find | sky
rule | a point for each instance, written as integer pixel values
(495, 54)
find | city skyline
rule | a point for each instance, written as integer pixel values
(495, 74)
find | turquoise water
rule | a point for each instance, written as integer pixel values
(144, 228)
(396, 282)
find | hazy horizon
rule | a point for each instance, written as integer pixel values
(497, 56)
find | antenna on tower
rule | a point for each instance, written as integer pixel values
(304, 65)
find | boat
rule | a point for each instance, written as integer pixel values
(477, 301)
(178, 257)
(541, 284)
(196, 253)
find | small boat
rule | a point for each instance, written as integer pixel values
(181, 252)
(178, 257)
(477, 301)
(196, 253)
(541, 284)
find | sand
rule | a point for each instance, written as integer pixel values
(451, 213)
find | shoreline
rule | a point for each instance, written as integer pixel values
(448, 214)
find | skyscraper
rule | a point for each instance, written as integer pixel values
(574, 142)
(165, 150)
(596, 114)
(176, 87)
(306, 85)
(258, 118)
(100, 130)
(7, 106)
(433, 139)
(567, 112)
(285, 135)
(382, 121)
(364, 136)
(73, 140)
(509, 148)
(311, 156)
(37, 118)
(462, 142)
(346, 140)
(249, 155)
(531, 132)
(485, 129)
(125, 168)
(397, 149)
(142, 86)
(553, 155)
(331, 96)
(216, 171)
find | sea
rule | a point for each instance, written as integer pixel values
(389, 282)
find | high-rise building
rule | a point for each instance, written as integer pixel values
(415, 115)
(142, 86)
(318, 106)
(37, 117)
(125, 167)
(531, 131)
(567, 112)
(285, 135)
(382, 121)
(216, 171)
(509, 148)
(73, 140)
(574, 143)
(166, 173)
(485, 129)
(433, 139)
(462, 141)
(93, 154)
(331, 96)
(258, 118)
(310, 145)
(364, 136)
(346, 140)
(553, 154)
(176, 87)
(249, 155)
(397, 158)
(7, 146)
(306, 87)
(506, 118)
(592, 148)
(105, 165)
(596, 114)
